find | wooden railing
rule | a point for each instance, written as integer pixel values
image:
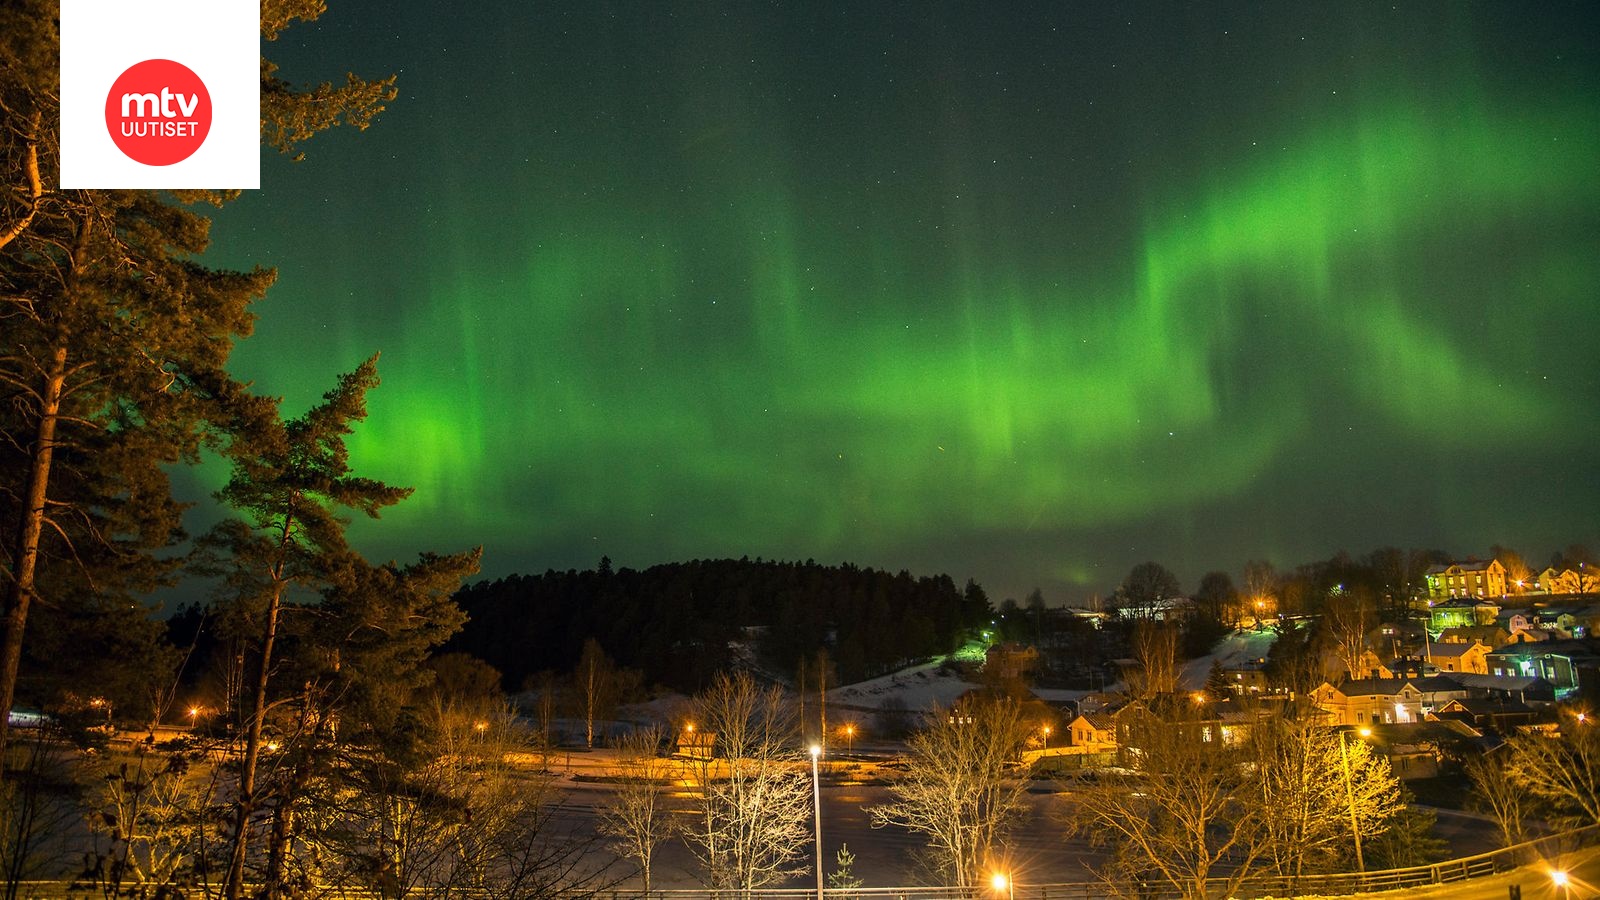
(1344, 884)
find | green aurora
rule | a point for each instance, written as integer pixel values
(642, 308)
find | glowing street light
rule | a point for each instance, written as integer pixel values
(816, 812)
(1559, 878)
(849, 737)
(1046, 730)
(1002, 884)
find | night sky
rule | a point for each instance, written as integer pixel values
(1024, 294)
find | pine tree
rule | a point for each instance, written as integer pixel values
(290, 480)
(114, 334)
(843, 878)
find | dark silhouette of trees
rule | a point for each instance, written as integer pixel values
(1148, 586)
(675, 622)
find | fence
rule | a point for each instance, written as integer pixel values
(1482, 864)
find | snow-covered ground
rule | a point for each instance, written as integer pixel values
(1236, 648)
(918, 688)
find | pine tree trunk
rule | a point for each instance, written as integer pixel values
(25, 553)
(246, 803)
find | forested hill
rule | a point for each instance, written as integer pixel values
(674, 622)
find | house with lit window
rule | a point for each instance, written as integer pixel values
(1489, 635)
(1473, 578)
(1417, 749)
(1459, 656)
(1097, 731)
(1460, 613)
(1582, 580)
(1188, 717)
(1571, 666)
(1384, 701)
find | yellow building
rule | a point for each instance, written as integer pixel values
(1467, 579)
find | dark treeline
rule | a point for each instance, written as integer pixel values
(675, 622)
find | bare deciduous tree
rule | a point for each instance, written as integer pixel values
(1347, 622)
(461, 817)
(150, 819)
(1300, 767)
(1188, 820)
(754, 823)
(1561, 775)
(1497, 793)
(1155, 647)
(595, 680)
(958, 791)
(636, 816)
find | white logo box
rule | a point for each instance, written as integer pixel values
(219, 39)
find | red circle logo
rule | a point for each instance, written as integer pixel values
(158, 112)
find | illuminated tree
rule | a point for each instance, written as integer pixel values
(1260, 585)
(1561, 775)
(636, 815)
(1347, 622)
(754, 824)
(456, 818)
(1155, 648)
(148, 817)
(1189, 819)
(596, 680)
(1301, 768)
(1496, 792)
(959, 790)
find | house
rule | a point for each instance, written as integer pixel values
(1373, 665)
(696, 744)
(1473, 578)
(1191, 716)
(1529, 689)
(1094, 617)
(1461, 612)
(1010, 661)
(1415, 749)
(1378, 701)
(1097, 731)
(1491, 635)
(1486, 714)
(1571, 666)
(1458, 656)
(1248, 676)
(1582, 580)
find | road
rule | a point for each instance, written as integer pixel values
(884, 856)
(1039, 850)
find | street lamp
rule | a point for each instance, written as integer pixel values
(849, 738)
(1562, 880)
(1350, 795)
(1046, 730)
(816, 813)
(1003, 884)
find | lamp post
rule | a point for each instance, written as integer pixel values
(816, 813)
(1002, 884)
(1046, 730)
(1350, 795)
(849, 738)
(1559, 878)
